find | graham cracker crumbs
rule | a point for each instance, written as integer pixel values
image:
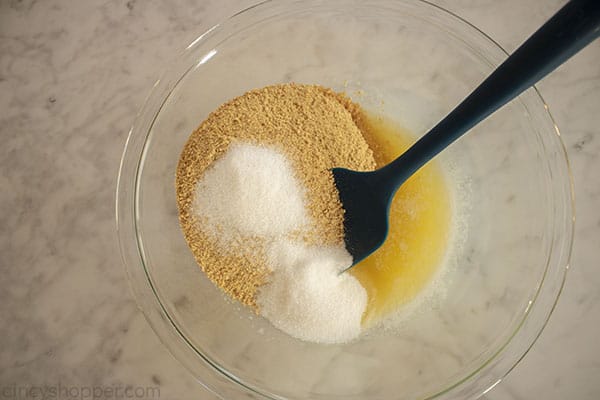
(315, 127)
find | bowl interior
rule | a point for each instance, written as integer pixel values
(412, 62)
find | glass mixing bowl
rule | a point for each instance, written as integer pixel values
(413, 62)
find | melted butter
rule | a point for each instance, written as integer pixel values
(420, 217)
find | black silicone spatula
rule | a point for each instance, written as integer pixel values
(366, 196)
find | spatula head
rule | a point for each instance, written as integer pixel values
(366, 212)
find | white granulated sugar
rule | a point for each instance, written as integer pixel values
(308, 298)
(250, 191)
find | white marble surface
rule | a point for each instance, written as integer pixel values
(72, 76)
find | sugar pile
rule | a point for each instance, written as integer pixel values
(308, 298)
(251, 193)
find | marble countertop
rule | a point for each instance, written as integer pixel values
(72, 77)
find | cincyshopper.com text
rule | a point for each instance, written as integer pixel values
(72, 392)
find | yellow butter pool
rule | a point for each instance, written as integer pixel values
(420, 218)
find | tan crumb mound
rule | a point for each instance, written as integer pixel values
(315, 127)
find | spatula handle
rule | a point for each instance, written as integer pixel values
(568, 31)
